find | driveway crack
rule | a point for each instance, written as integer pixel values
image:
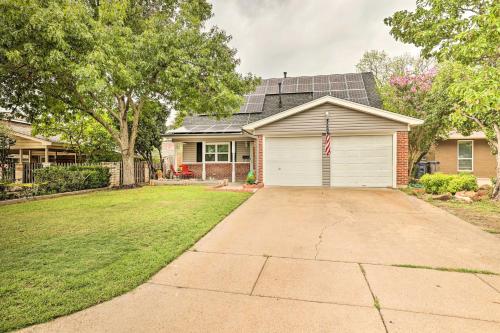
(320, 238)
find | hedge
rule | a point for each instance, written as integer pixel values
(439, 183)
(57, 179)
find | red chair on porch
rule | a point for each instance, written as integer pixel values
(175, 174)
(186, 173)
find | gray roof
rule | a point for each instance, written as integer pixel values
(264, 101)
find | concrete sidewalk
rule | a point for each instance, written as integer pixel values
(317, 260)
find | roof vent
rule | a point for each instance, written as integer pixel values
(280, 104)
(284, 75)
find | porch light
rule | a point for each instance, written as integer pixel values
(327, 115)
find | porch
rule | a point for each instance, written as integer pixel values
(216, 157)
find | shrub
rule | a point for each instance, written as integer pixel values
(251, 177)
(58, 179)
(462, 182)
(439, 183)
(436, 183)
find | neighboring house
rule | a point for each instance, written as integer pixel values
(280, 133)
(36, 149)
(459, 153)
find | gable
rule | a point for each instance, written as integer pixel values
(342, 120)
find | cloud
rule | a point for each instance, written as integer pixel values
(307, 37)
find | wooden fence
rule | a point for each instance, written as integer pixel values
(139, 175)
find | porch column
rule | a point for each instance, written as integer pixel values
(29, 156)
(20, 156)
(203, 170)
(46, 162)
(233, 161)
(251, 156)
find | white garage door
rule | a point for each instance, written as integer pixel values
(292, 161)
(358, 161)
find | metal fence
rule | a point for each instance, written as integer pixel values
(8, 172)
(29, 172)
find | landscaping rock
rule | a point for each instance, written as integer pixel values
(463, 198)
(481, 194)
(469, 194)
(442, 197)
(485, 187)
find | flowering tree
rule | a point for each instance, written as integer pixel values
(417, 96)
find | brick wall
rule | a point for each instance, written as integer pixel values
(220, 170)
(402, 159)
(260, 159)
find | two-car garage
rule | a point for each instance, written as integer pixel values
(369, 146)
(355, 161)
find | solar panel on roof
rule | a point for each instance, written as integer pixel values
(355, 85)
(354, 77)
(302, 88)
(346, 86)
(357, 93)
(289, 89)
(305, 80)
(338, 86)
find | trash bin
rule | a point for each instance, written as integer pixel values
(422, 168)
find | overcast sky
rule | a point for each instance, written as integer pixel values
(306, 37)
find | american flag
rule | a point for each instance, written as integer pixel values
(327, 139)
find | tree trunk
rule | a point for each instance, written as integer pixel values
(496, 188)
(128, 170)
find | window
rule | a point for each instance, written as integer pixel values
(465, 149)
(217, 152)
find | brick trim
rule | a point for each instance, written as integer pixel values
(402, 159)
(260, 159)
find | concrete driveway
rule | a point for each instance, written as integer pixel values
(317, 260)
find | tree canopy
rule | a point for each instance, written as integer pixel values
(465, 35)
(106, 59)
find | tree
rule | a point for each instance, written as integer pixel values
(420, 97)
(467, 34)
(405, 84)
(105, 59)
(151, 128)
(384, 67)
(6, 141)
(82, 134)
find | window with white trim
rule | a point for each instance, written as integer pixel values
(465, 152)
(217, 152)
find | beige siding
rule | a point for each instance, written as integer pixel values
(484, 162)
(341, 120)
(242, 149)
(189, 152)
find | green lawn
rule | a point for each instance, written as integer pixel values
(61, 255)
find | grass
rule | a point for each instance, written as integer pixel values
(62, 255)
(485, 213)
(445, 269)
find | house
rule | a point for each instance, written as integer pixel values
(29, 148)
(459, 153)
(280, 133)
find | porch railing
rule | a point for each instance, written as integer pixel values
(29, 172)
(8, 172)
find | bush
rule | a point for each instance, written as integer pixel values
(439, 183)
(57, 179)
(462, 182)
(251, 177)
